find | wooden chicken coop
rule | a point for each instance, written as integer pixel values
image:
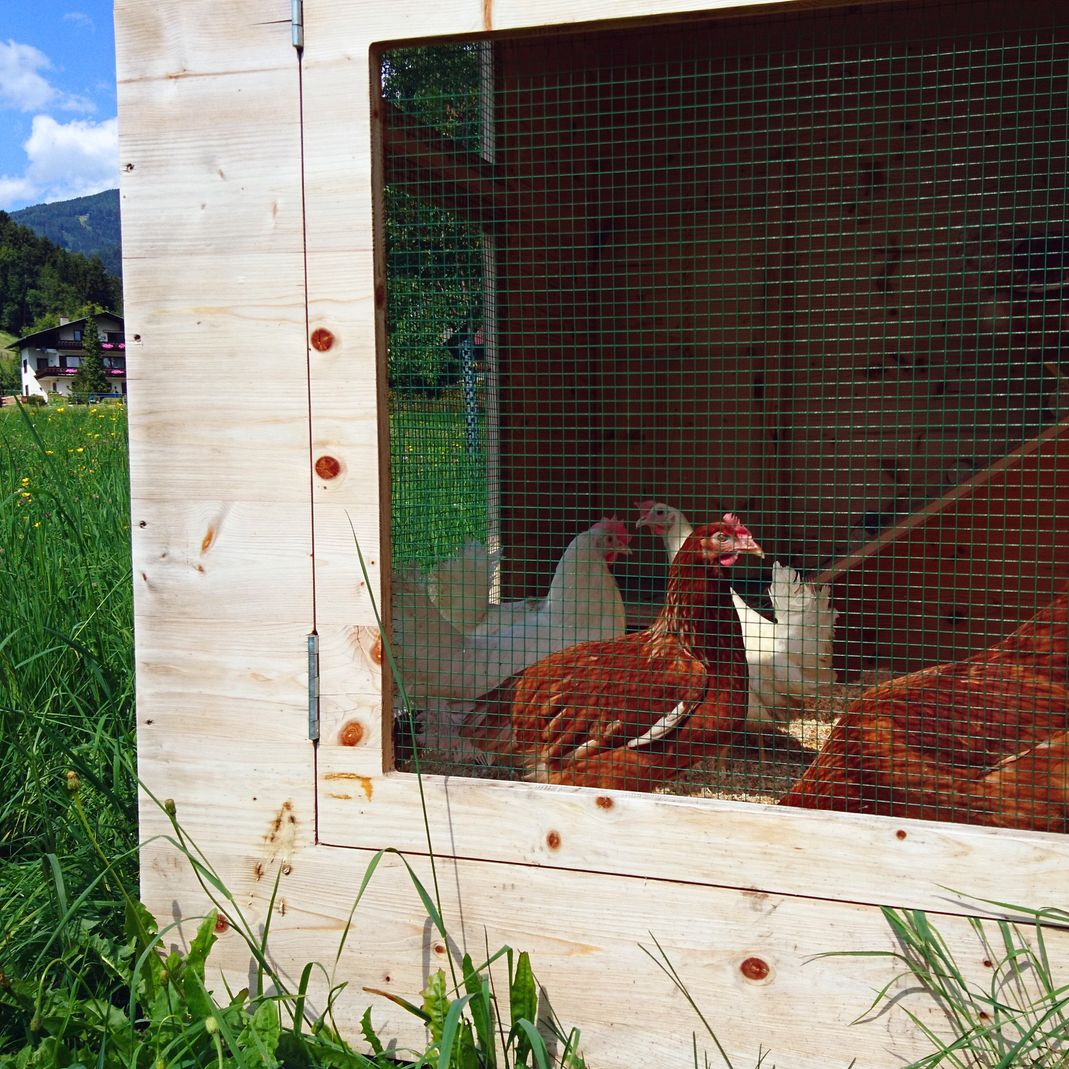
(399, 276)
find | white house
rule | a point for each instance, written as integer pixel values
(50, 358)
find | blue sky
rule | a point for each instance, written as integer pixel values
(58, 136)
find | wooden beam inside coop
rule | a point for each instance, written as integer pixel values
(442, 171)
(962, 572)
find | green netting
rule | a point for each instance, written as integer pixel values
(808, 269)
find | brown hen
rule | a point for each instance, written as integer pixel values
(632, 712)
(980, 741)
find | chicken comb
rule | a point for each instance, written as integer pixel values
(733, 521)
(615, 527)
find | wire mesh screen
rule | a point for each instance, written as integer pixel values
(728, 409)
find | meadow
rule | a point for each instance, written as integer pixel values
(84, 978)
(438, 481)
(66, 687)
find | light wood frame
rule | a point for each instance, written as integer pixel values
(248, 193)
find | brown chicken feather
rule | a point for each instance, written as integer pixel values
(979, 741)
(631, 713)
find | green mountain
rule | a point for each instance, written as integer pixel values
(39, 281)
(89, 225)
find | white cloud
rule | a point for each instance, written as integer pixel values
(14, 192)
(25, 87)
(64, 160)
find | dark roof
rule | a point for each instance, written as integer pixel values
(41, 338)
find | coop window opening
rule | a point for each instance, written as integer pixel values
(800, 270)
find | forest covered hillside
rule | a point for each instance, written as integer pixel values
(89, 225)
(39, 281)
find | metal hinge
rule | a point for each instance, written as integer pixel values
(313, 687)
(297, 23)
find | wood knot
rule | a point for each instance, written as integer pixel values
(328, 467)
(376, 649)
(900, 834)
(322, 339)
(755, 969)
(604, 802)
(439, 948)
(351, 734)
(553, 840)
(221, 924)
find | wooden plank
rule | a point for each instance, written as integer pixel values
(718, 843)
(215, 312)
(584, 932)
(170, 45)
(210, 199)
(964, 571)
(518, 14)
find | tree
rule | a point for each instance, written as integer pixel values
(434, 259)
(90, 377)
(38, 279)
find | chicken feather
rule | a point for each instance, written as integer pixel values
(631, 713)
(790, 657)
(982, 740)
(438, 661)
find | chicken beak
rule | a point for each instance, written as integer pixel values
(748, 545)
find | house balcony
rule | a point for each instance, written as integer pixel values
(44, 371)
(77, 344)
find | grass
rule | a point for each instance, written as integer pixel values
(1017, 1016)
(66, 673)
(438, 483)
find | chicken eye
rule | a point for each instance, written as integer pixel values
(720, 536)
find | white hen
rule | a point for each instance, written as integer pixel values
(789, 658)
(460, 586)
(461, 589)
(438, 661)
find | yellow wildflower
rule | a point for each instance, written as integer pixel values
(80, 449)
(24, 481)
